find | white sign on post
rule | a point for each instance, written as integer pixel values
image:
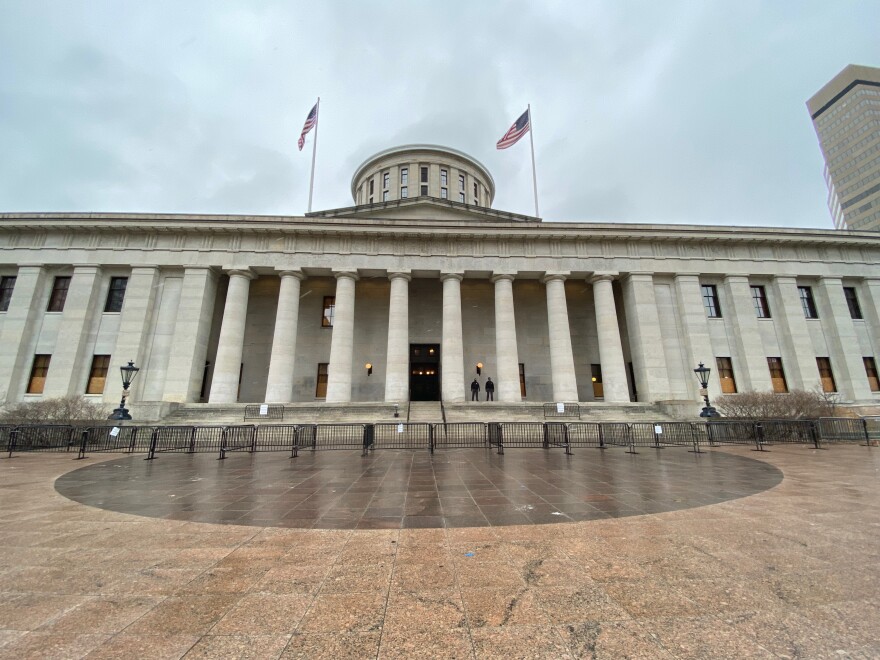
(264, 409)
(658, 429)
(114, 431)
(400, 428)
(560, 408)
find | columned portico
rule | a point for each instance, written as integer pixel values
(342, 342)
(747, 343)
(610, 346)
(227, 369)
(506, 355)
(561, 355)
(645, 337)
(452, 348)
(279, 386)
(397, 360)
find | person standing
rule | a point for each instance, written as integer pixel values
(475, 390)
(490, 389)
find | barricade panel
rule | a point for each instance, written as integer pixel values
(239, 438)
(460, 435)
(5, 436)
(48, 437)
(730, 433)
(114, 438)
(585, 434)
(785, 431)
(174, 438)
(572, 410)
(403, 435)
(662, 434)
(275, 437)
(616, 434)
(523, 434)
(841, 429)
(872, 427)
(264, 411)
(209, 438)
(339, 436)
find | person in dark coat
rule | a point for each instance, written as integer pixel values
(490, 390)
(475, 390)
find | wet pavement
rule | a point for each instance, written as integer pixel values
(788, 572)
(411, 489)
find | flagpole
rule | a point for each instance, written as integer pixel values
(315, 149)
(534, 174)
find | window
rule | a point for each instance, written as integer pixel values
(807, 302)
(371, 187)
(386, 179)
(444, 193)
(423, 191)
(777, 375)
(404, 193)
(522, 380)
(321, 381)
(476, 189)
(423, 173)
(826, 375)
(852, 301)
(329, 311)
(461, 197)
(596, 377)
(59, 294)
(710, 301)
(38, 374)
(116, 294)
(725, 375)
(444, 178)
(871, 371)
(759, 299)
(7, 284)
(461, 183)
(384, 195)
(404, 176)
(98, 374)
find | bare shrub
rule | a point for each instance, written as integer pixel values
(74, 410)
(796, 404)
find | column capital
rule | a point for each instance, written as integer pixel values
(290, 272)
(451, 276)
(497, 277)
(733, 277)
(400, 275)
(346, 274)
(830, 278)
(555, 275)
(686, 276)
(784, 278)
(639, 276)
(606, 276)
(241, 272)
(85, 268)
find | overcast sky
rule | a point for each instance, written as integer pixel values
(667, 112)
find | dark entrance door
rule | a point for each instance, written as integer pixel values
(424, 372)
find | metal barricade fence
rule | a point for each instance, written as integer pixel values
(6, 436)
(787, 431)
(238, 438)
(50, 437)
(556, 435)
(615, 434)
(662, 434)
(402, 435)
(562, 410)
(843, 429)
(872, 430)
(730, 433)
(586, 434)
(264, 411)
(460, 435)
(339, 436)
(275, 437)
(115, 438)
(523, 434)
(173, 439)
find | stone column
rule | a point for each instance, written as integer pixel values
(134, 330)
(869, 298)
(342, 341)
(397, 365)
(279, 384)
(610, 346)
(452, 348)
(72, 355)
(506, 354)
(645, 338)
(798, 354)
(745, 337)
(561, 354)
(227, 366)
(192, 329)
(842, 340)
(20, 331)
(695, 326)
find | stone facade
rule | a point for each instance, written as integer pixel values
(227, 309)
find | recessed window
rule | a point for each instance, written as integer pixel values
(329, 311)
(40, 368)
(777, 375)
(522, 380)
(807, 302)
(444, 193)
(7, 284)
(59, 294)
(371, 187)
(725, 375)
(476, 189)
(759, 300)
(423, 174)
(321, 381)
(710, 301)
(116, 294)
(98, 374)
(871, 371)
(423, 191)
(461, 183)
(404, 176)
(852, 301)
(461, 197)
(386, 180)
(385, 195)
(444, 177)
(404, 193)
(596, 378)
(826, 375)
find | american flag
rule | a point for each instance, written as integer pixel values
(520, 127)
(311, 120)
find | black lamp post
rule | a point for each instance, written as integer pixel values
(129, 371)
(703, 376)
